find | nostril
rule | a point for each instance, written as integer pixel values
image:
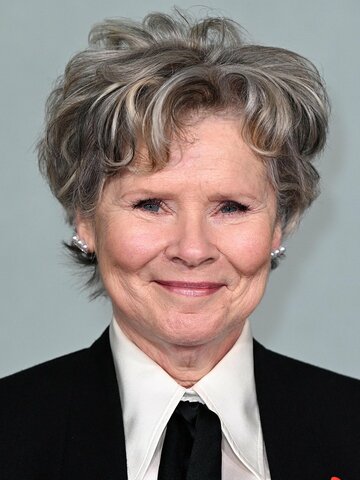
(193, 262)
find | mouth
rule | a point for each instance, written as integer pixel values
(190, 289)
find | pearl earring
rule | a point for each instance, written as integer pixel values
(279, 253)
(80, 244)
(276, 256)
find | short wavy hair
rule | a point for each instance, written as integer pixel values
(144, 81)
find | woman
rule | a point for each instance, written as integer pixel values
(183, 158)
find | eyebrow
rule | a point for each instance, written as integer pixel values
(215, 196)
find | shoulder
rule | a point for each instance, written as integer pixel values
(36, 399)
(34, 412)
(47, 385)
(297, 375)
(41, 390)
(308, 411)
(298, 400)
(309, 389)
(44, 380)
(40, 406)
(55, 365)
(68, 408)
(56, 374)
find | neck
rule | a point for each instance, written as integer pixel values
(185, 364)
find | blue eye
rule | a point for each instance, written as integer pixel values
(150, 205)
(233, 207)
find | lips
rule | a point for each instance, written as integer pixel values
(191, 289)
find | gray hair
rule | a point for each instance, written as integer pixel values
(144, 81)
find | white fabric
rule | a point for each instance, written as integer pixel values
(149, 396)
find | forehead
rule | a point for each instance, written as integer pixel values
(213, 163)
(211, 150)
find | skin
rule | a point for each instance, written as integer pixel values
(184, 252)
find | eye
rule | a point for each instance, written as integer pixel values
(233, 207)
(150, 205)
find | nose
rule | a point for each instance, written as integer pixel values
(192, 243)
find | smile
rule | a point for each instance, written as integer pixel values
(191, 289)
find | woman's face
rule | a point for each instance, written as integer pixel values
(184, 253)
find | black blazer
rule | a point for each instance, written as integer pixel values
(62, 420)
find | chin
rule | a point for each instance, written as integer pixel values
(192, 330)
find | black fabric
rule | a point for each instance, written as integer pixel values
(63, 421)
(192, 445)
(310, 419)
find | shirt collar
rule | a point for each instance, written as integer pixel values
(229, 390)
(149, 396)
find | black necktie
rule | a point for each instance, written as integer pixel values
(192, 445)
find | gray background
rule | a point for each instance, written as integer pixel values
(311, 308)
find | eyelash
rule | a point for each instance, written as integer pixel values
(149, 201)
(240, 207)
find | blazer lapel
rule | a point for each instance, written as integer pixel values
(95, 448)
(285, 412)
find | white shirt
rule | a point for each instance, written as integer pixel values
(149, 396)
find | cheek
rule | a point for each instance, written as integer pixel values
(127, 248)
(250, 250)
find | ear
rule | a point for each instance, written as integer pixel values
(277, 236)
(85, 228)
